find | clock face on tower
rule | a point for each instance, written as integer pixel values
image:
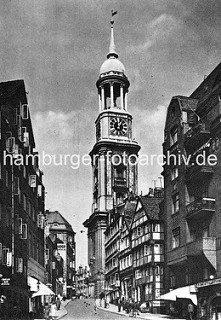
(118, 126)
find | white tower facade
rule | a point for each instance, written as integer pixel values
(114, 157)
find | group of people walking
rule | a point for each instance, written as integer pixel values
(50, 309)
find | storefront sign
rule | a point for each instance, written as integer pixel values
(208, 283)
(5, 282)
(61, 246)
(158, 303)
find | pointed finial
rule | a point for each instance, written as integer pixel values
(112, 51)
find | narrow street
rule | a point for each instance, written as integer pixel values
(84, 309)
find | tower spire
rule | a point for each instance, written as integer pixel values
(112, 51)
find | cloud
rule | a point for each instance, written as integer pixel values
(159, 29)
(55, 131)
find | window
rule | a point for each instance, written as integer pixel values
(24, 111)
(158, 249)
(24, 231)
(206, 273)
(137, 274)
(24, 202)
(172, 279)
(184, 116)
(156, 227)
(1, 252)
(205, 232)
(16, 186)
(176, 238)
(22, 134)
(10, 144)
(120, 171)
(24, 172)
(175, 203)
(7, 178)
(173, 136)
(139, 231)
(174, 173)
(146, 250)
(19, 265)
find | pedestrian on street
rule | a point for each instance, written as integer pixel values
(95, 306)
(47, 311)
(58, 303)
(119, 304)
(53, 310)
(190, 311)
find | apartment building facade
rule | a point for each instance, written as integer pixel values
(22, 199)
(192, 196)
(147, 249)
(65, 243)
(134, 251)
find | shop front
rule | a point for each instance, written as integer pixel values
(209, 299)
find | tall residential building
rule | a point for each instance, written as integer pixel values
(65, 243)
(114, 176)
(134, 251)
(192, 197)
(21, 199)
(147, 250)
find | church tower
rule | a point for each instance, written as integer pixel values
(114, 157)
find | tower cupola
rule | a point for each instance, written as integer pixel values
(112, 83)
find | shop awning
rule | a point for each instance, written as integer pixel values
(39, 288)
(43, 291)
(182, 293)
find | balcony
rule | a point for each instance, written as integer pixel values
(196, 137)
(216, 124)
(198, 247)
(206, 246)
(200, 208)
(120, 184)
(177, 256)
(197, 172)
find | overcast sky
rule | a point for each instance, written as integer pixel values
(58, 46)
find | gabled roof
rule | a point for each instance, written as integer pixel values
(11, 88)
(183, 103)
(151, 206)
(55, 217)
(129, 211)
(187, 103)
(207, 86)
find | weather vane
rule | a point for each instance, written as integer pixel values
(113, 14)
